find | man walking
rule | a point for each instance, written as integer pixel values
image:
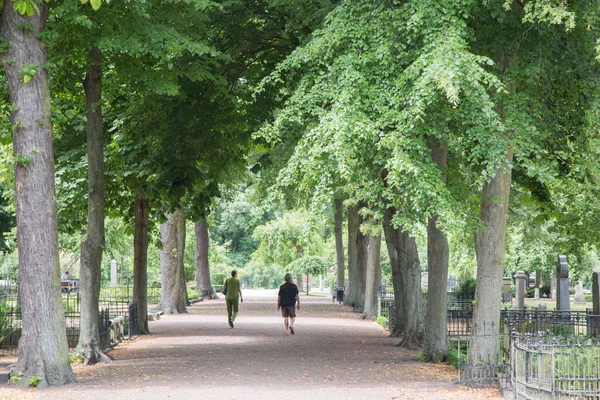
(288, 300)
(233, 293)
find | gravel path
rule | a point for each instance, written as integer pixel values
(334, 355)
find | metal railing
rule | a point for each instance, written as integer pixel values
(555, 368)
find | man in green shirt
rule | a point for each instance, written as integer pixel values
(233, 294)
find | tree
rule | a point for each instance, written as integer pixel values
(307, 265)
(373, 277)
(203, 284)
(43, 350)
(173, 300)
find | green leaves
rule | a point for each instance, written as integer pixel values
(96, 4)
(26, 7)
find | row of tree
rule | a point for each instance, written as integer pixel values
(397, 115)
(135, 110)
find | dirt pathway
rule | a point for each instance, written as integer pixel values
(334, 355)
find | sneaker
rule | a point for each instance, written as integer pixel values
(230, 324)
(292, 330)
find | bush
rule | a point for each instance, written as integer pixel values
(383, 321)
(466, 290)
(545, 291)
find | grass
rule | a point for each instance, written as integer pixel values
(551, 304)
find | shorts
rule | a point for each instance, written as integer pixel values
(288, 312)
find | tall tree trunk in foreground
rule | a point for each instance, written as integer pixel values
(172, 296)
(339, 243)
(406, 276)
(490, 247)
(140, 262)
(436, 334)
(373, 277)
(353, 226)
(362, 243)
(43, 350)
(202, 268)
(91, 250)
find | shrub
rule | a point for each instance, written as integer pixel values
(466, 290)
(383, 321)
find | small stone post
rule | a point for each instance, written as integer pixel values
(562, 283)
(506, 294)
(114, 279)
(552, 294)
(596, 293)
(536, 293)
(520, 279)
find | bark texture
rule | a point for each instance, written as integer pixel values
(91, 250)
(373, 277)
(140, 262)
(353, 226)
(181, 250)
(171, 271)
(339, 243)
(490, 247)
(436, 334)
(202, 268)
(406, 274)
(43, 350)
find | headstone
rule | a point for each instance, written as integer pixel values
(542, 307)
(114, 279)
(536, 293)
(562, 284)
(424, 280)
(596, 293)
(506, 294)
(520, 280)
(553, 288)
(579, 297)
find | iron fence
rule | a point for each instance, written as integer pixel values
(550, 367)
(132, 321)
(479, 367)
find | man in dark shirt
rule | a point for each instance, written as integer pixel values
(288, 300)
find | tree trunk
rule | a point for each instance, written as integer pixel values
(43, 349)
(490, 247)
(406, 274)
(391, 241)
(300, 283)
(91, 250)
(140, 262)
(373, 277)
(172, 296)
(362, 243)
(181, 250)
(339, 243)
(410, 269)
(353, 226)
(436, 330)
(202, 268)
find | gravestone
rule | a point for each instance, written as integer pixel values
(579, 297)
(542, 307)
(114, 279)
(562, 284)
(552, 293)
(506, 294)
(536, 293)
(520, 280)
(596, 293)
(424, 280)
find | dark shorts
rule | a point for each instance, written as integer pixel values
(288, 312)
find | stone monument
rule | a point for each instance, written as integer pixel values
(506, 294)
(562, 284)
(114, 278)
(552, 293)
(579, 297)
(520, 280)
